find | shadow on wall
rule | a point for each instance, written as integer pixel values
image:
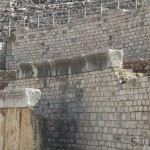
(2, 55)
(64, 131)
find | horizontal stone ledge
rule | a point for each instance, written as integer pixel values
(72, 65)
(19, 98)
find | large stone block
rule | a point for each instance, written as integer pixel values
(19, 98)
(21, 126)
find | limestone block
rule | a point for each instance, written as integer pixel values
(22, 128)
(19, 98)
(115, 58)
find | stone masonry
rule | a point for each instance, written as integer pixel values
(128, 31)
(98, 110)
(80, 86)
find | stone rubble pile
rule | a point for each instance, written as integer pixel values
(126, 75)
(5, 77)
(141, 65)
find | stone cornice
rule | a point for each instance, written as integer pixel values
(72, 65)
(19, 98)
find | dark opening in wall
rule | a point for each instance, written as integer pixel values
(2, 55)
(110, 37)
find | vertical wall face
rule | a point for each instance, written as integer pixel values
(1, 131)
(96, 110)
(18, 129)
(108, 109)
(2, 55)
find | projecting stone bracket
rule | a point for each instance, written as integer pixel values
(72, 65)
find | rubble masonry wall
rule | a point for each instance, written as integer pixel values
(117, 30)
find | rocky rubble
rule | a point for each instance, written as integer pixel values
(5, 77)
(141, 65)
(126, 75)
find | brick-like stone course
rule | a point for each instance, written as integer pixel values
(94, 110)
(116, 30)
(100, 109)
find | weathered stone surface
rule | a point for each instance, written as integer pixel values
(108, 106)
(5, 77)
(1, 131)
(19, 98)
(82, 37)
(72, 65)
(115, 58)
(89, 101)
(26, 69)
(2, 55)
(140, 65)
(21, 129)
(21, 125)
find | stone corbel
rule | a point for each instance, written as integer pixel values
(73, 65)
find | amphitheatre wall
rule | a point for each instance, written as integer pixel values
(104, 109)
(88, 100)
(128, 31)
(94, 110)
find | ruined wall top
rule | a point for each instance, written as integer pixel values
(39, 13)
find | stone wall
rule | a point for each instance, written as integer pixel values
(117, 30)
(105, 109)
(95, 111)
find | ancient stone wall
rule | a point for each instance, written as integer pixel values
(126, 30)
(97, 110)
(88, 100)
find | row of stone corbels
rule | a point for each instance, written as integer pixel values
(72, 65)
